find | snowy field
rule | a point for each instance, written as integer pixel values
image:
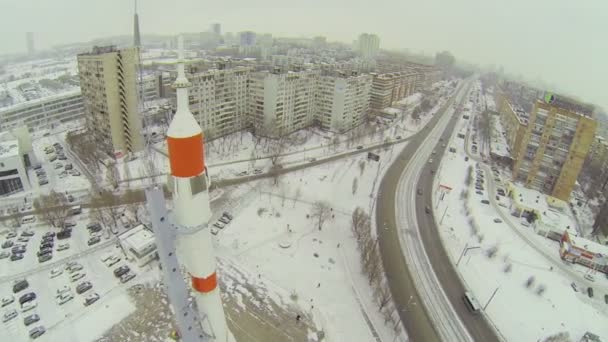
(492, 259)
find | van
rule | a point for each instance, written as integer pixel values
(28, 219)
(470, 302)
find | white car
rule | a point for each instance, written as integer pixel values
(9, 315)
(74, 268)
(63, 290)
(589, 277)
(107, 257)
(56, 272)
(63, 247)
(76, 276)
(66, 297)
(126, 277)
(90, 299)
(112, 261)
(214, 231)
(27, 306)
(7, 300)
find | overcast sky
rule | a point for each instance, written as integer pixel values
(563, 42)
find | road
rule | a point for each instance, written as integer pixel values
(432, 318)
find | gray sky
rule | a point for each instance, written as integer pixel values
(562, 42)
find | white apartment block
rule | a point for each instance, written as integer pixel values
(281, 103)
(44, 112)
(108, 80)
(368, 45)
(342, 100)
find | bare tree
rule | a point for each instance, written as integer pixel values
(282, 194)
(360, 223)
(322, 211)
(355, 185)
(52, 208)
(296, 196)
(275, 172)
(383, 295)
(362, 166)
(112, 175)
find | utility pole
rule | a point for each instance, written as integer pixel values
(491, 297)
(464, 252)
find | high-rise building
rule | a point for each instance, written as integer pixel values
(391, 87)
(553, 148)
(30, 43)
(247, 38)
(368, 45)
(342, 100)
(108, 80)
(281, 102)
(136, 37)
(216, 28)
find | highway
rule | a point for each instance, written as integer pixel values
(424, 284)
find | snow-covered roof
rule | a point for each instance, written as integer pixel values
(589, 245)
(499, 145)
(138, 238)
(9, 148)
(25, 104)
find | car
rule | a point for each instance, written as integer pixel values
(90, 299)
(84, 287)
(96, 235)
(58, 165)
(28, 297)
(95, 226)
(27, 233)
(77, 276)
(126, 277)
(27, 306)
(589, 277)
(48, 235)
(20, 285)
(590, 292)
(74, 267)
(113, 261)
(434, 152)
(31, 319)
(479, 192)
(37, 332)
(11, 235)
(431, 161)
(7, 244)
(257, 171)
(574, 287)
(46, 244)
(106, 257)
(359, 147)
(219, 225)
(23, 239)
(427, 210)
(64, 234)
(68, 166)
(63, 246)
(419, 191)
(63, 290)
(16, 257)
(64, 298)
(71, 198)
(93, 240)
(224, 220)
(69, 224)
(606, 299)
(485, 201)
(497, 220)
(44, 252)
(61, 157)
(432, 171)
(466, 158)
(75, 173)
(5, 254)
(227, 215)
(244, 173)
(398, 137)
(214, 231)
(55, 272)
(8, 315)
(121, 270)
(7, 300)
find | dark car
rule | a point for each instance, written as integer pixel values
(590, 292)
(227, 215)
(20, 285)
(28, 297)
(27, 233)
(15, 257)
(44, 251)
(33, 318)
(45, 257)
(48, 244)
(485, 201)
(83, 287)
(93, 240)
(48, 235)
(7, 244)
(94, 226)
(47, 239)
(64, 234)
(359, 147)
(606, 298)
(121, 270)
(11, 235)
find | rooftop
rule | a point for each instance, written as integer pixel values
(9, 148)
(138, 238)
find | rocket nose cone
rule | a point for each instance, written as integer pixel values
(183, 125)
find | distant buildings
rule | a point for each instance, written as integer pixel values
(216, 28)
(548, 146)
(368, 45)
(247, 38)
(16, 156)
(584, 252)
(29, 40)
(109, 88)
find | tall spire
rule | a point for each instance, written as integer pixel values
(136, 37)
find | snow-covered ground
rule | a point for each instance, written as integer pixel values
(492, 259)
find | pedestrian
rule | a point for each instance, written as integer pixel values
(298, 318)
(318, 285)
(338, 245)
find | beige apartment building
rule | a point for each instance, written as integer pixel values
(108, 80)
(342, 100)
(388, 88)
(554, 145)
(515, 122)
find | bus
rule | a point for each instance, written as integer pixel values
(470, 302)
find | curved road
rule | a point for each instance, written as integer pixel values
(420, 320)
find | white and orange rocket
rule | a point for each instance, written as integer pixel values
(191, 206)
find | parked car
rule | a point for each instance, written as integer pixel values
(7, 244)
(37, 332)
(64, 289)
(56, 272)
(574, 287)
(214, 231)
(112, 261)
(11, 235)
(31, 319)
(76, 276)
(69, 224)
(419, 191)
(63, 246)
(126, 277)
(23, 239)
(257, 171)
(93, 240)
(219, 225)
(90, 299)
(227, 215)
(16, 257)
(589, 277)
(47, 244)
(94, 226)
(64, 234)
(28, 297)
(84, 287)
(7, 300)
(121, 270)
(20, 285)
(590, 292)
(224, 220)
(64, 298)
(8, 315)
(5, 254)
(45, 257)
(45, 251)
(497, 220)
(74, 267)
(485, 201)
(27, 306)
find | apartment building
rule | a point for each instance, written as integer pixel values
(556, 141)
(368, 45)
(44, 112)
(515, 122)
(342, 100)
(108, 80)
(388, 88)
(281, 102)
(218, 98)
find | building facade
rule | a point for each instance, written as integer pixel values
(16, 156)
(368, 45)
(44, 112)
(553, 148)
(247, 38)
(515, 122)
(388, 88)
(108, 80)
(342, 100)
